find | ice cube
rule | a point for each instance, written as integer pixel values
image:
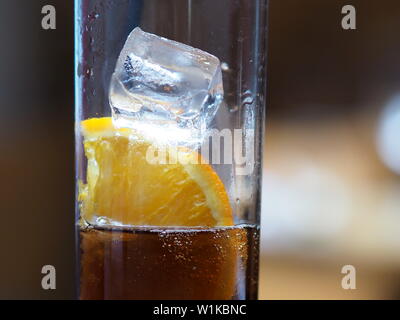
(163, 82)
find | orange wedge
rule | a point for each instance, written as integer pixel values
(124, 186)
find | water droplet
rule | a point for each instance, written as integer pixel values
(224, 66)
(234, 109)
(101, 221)
(93, 16)
(247, 98)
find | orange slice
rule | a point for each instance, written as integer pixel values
(123, 185)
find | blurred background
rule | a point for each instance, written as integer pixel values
(331, 189)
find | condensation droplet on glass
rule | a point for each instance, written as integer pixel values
(89, 72)
(101, 220)
(224, 66)
(93, 16)
(247, 97)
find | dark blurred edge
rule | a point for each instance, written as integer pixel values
(37, 157)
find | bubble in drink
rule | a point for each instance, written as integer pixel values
(162, 82)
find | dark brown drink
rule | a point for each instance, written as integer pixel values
(144, 263)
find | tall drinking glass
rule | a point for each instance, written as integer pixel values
(170, 103)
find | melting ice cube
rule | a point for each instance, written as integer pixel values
(162, 82)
